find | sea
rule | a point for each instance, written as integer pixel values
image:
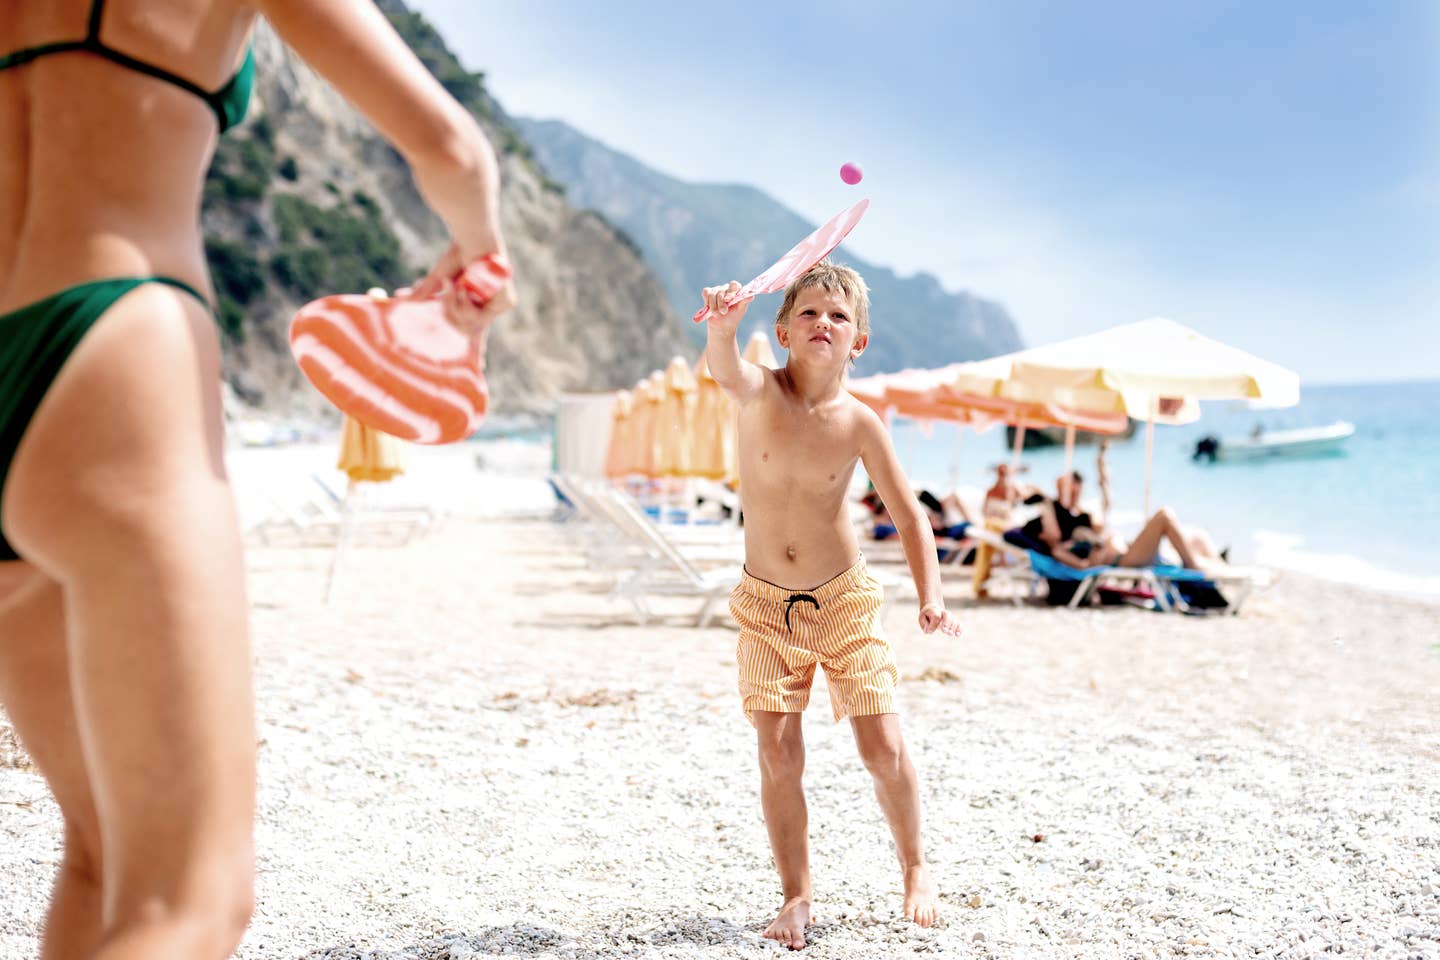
(1368, 516)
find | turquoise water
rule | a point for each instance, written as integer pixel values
(1370, 515)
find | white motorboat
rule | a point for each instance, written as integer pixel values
(1305, 442)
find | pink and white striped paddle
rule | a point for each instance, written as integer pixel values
(397, 364)
(801, 257)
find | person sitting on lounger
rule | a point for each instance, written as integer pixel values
(1058, 519)
(1088, 548)
(938, 510)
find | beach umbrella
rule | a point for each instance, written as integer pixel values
(992, 385)
(712, 452)
(911, 394)
(758, 350)
(648, 394)
(620, 452)
(871, 392)
(367, 455)
(675, 420)
(1152, 360)
(1158, 357)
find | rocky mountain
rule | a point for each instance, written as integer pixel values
(694, 234)
(306, 199)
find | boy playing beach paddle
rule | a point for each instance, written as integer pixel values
(806, 599)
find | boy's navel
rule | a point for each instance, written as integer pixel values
(765, 455)
(790, 551)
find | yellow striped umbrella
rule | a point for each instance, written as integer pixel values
(758, 350)
(648, 394)
(369, 455)
(712, 453)
(621, 450)
(675, 422)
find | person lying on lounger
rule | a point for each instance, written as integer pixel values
(1086, 547)
(939, 512)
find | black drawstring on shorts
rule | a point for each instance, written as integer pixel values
(795, 598)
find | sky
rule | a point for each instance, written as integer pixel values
(1267, 173)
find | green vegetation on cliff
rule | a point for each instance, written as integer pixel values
(344, 247)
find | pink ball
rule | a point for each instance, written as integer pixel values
(851, 173)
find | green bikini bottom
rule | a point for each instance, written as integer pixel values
(35, 342)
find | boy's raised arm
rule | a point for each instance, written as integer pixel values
(738, 377)
(878, 456)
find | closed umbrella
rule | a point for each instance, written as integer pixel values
(712, 451)
(367, 455)
(675, 422)
(648, 394)
(759, 351)
(620, 453)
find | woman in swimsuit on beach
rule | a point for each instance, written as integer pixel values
(124, 656)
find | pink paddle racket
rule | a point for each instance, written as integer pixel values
(801, 257)
(397, 364)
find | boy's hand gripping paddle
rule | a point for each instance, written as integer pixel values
(801, 257)
(397, 364)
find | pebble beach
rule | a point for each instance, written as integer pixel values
(474, 750)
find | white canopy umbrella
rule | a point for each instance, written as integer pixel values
(1151, 360)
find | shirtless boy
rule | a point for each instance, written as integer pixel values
(806, 599)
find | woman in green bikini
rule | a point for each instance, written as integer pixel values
(124, 658)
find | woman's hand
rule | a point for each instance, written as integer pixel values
(934, 616)
(463, 308)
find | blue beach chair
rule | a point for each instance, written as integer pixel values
(1160, 578)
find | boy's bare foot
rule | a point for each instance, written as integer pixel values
(922, 902)
(788, 929)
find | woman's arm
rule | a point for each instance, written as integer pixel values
(353, 46)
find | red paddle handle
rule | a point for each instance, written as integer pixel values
(484, 277)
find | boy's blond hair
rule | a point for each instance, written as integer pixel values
(833, 278)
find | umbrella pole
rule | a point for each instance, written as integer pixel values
(1149, 450)
(1019, 444)
(910, 450)
(955, 464)
(1069, 448)
(342, 539)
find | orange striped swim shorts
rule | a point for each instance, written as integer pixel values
(785, 634)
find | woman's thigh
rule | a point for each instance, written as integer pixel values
(35, 692)
(118, 492)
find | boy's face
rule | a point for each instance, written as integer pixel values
(822, 329)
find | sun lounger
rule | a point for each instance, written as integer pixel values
(672, 573)
(608, 538)
(370, 500)
(675, 571)
(1015, 567)
(1164, 582)
(296, 517)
